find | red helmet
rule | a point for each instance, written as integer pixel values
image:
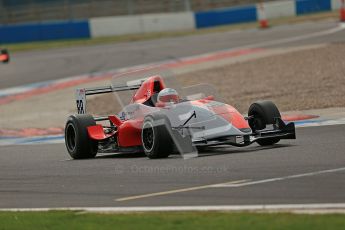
(168, 95)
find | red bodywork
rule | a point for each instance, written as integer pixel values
(128, 132)
(147, 89)
(3, 57)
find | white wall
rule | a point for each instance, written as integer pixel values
(278, 9)
(108, 26)
(335, 4)
(168, 22)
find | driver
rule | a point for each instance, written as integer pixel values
(168, 96)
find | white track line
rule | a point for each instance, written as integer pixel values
(232, 184)
(340, 27)
(279, 178)
(174, 191)
(309, 208)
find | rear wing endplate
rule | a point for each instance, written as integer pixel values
(83, 92)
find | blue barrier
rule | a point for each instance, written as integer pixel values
(44, 31)
(311, 6)
(81, 29)
(225, 16)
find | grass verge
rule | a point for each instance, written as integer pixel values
(149, 36)
(168, 220)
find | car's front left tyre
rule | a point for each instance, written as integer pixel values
(263, 113)
(78, 143)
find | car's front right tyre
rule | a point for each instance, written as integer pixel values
(155, 136)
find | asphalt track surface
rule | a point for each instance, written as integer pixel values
(30, 67)
(39, 176)
(44, 176)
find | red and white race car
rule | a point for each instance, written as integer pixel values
(4, 56)
(159, 122)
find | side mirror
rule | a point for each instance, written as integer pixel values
(4, 56)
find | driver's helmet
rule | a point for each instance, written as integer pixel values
(167, 96)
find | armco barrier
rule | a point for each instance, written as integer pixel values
(312, 6)
(225, 16)
(44, 31)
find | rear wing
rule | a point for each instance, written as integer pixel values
(83, 92)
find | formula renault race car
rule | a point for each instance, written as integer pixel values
(159, 122)
(4, 56)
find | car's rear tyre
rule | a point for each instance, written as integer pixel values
(263, 113)
(155, 136)
(78, 143)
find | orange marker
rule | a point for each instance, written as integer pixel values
(263, 19)
(342, 11)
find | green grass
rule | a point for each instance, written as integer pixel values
(149, 36)
(168, 220)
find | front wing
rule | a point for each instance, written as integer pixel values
(279, 130)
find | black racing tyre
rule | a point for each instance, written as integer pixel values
(263, 113)
(156, 139)
(78, 143)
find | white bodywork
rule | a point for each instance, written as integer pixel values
(204, 125)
